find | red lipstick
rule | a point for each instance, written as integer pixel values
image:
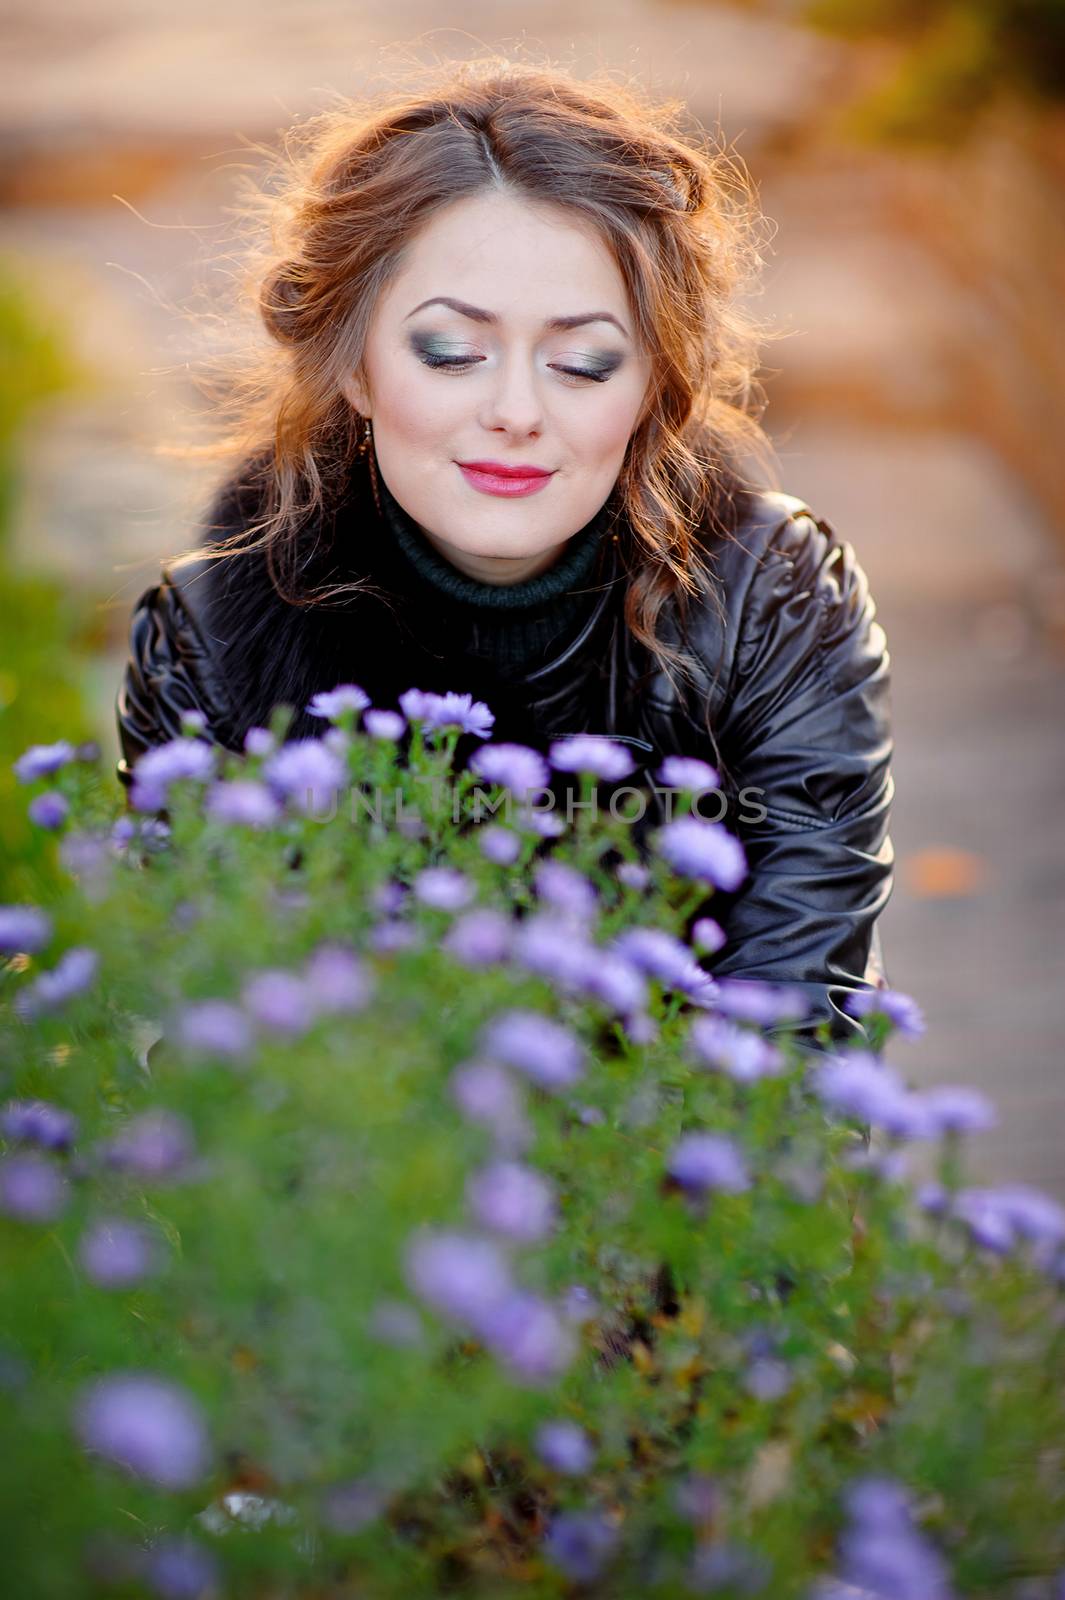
(496, 477)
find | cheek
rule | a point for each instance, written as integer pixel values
(412, 410)
(606, 435)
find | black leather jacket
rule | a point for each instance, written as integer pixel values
(792, 705)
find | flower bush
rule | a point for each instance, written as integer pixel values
(392, 1203)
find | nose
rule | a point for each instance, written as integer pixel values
(514, 404)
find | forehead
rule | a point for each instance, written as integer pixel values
(526, 261)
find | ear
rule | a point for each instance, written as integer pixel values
(354, 392)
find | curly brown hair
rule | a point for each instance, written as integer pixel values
(324, 229)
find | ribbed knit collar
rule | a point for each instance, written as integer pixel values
(573, 567)
(511, 626)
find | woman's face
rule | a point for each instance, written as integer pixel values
(488, 379)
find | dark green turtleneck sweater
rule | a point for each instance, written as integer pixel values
(514, 626)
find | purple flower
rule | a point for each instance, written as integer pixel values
(87, 856)
(23, 930)
(593, 753)
(548, 944)
(388, 897)
(337, 980)
(527, 1334)
(182, 1569)
(384, 724)
(700, 1162)
(259, 742)
(513, 1200)
(279, 1001)
(553, 945)
(512, 766)
(988, 1226)
(242, 801)
(115, 1253)
(933, 1198)
(883, 1554)
(742, 1054)
(958, 1109)
(214, 1028)
(49, 810)
(334, 702)
(703, 850)
(486, 1093)
(1001, 1218)
(662, 956)
(579, 1305)
(416, 704)
(543, 1050)
(641, 1029)
(306, 773)
(460, 1275)
(31, 1188)
(453, 710)
(752, 1000)
(1034, 1215)
(42, 761)
(859, 1085)
(444, 888)
(146, 1425)
(351, 1506)
(71, 975)
(724, 1567)
(564, 1447)
(580, 1543)
(615, 981)
(153, 1145)
(175, 761)
(633, 875)
(479, 938)
(767, 1378)
(878, 1502)
(499, 845)
(39, 1122)
(566, 889)
(391, 935)
(901, 1010)
(707, 935)
(541, 821)
(146, 796)
(688, 774)
(123, 831)
(697, 1497)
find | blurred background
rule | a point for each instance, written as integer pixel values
(911, 157)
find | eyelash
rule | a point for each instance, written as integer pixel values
(455, 362)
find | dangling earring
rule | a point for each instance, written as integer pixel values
(366, 450)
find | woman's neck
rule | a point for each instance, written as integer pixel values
(571, 569)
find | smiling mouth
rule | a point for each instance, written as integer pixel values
(510, 482)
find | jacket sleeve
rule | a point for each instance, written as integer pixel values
(168, 672)
(807, 734)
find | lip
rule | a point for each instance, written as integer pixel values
(492, 477)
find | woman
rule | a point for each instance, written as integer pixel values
(495, 445)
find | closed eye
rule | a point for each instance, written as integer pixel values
(456, 363)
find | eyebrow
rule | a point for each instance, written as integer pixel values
(479, 315)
